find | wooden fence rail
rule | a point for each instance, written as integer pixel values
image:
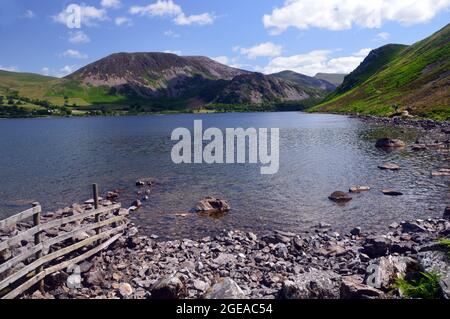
(105, 224)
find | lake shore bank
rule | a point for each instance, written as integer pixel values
(412, 122)
(319, 263)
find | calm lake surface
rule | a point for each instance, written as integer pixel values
(54, 161)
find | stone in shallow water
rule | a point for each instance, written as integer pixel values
(446, 213)
(340, 197)
(389, 142)
(441, 172)
(359, 189)
(389, 166)
(211, 204)
(391, 192)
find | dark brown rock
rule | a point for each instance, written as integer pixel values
(170, 287)
(352, 287)
(211, 205)
(376, 246)
(388, 143)
(340, 197)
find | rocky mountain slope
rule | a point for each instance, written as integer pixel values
(305, 80)
(334, 78)
(153, 74)
(257, 88)
(396, 78)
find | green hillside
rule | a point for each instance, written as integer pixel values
(394, 78)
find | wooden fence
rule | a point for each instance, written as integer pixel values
(42, 258)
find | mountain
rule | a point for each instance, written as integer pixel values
(153, 74)
(374, 61)
(257, 88)
(334, 78)
(304, 80)
(395, 78)
(156, 81)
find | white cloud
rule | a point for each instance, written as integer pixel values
(9, 68)
(317, 61)
(363, 52)
(67, 69)
(45, 71)
(29, 14)
(266, 49)
(170, 33)
(382, 36)
(343, 14)
(233, 62)
(168, 8)
(120, 21)
(173, 52)
(199, 19)
(74, 54)
(115, 4)
(78, 37)
(221, 59)
(89, 15)
(160, 8)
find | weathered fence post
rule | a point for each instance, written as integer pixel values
(37, 241)
(97, 216)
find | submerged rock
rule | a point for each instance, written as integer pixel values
(211, 205)
(340, 197)
(447, 213)
(390, 192)
(388, 142)
(225, 288)
(389, 166)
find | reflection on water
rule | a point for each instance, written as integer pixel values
(54, 161)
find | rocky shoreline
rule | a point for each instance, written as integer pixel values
(407, 122)
(235, 264)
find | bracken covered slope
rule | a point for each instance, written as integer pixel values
(395, 78)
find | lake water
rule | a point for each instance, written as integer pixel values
(55, 160)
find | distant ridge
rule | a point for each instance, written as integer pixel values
(334, 78)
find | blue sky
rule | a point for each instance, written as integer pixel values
(307, 36)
